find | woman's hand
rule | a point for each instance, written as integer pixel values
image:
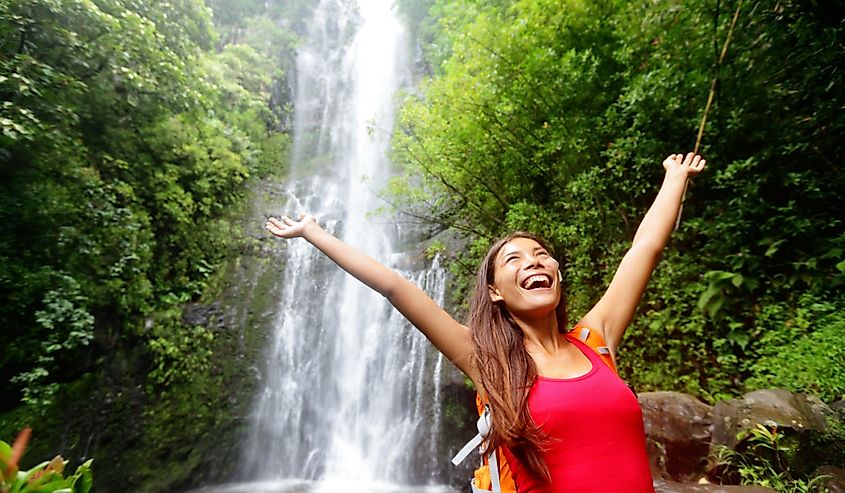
(614, 311)
(288, 228)
(686, 167)
(447, 334)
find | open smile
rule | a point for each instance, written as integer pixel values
(537, 281)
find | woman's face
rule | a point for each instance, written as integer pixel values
(525, 278)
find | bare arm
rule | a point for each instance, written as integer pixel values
(447, 334)
(614, 311)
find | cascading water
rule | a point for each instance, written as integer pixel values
(350, 391)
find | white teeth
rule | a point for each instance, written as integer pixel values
(537, 280)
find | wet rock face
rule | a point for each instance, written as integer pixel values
(678, 428)
(206, 315)
(771, 407)
(835, 482)
(839, 408)
(661, 486)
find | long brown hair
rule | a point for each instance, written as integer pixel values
(505, 368)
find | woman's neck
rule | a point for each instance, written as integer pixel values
(541, 333)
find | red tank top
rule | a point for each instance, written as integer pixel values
(596, 427)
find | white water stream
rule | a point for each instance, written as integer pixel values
(350, 392)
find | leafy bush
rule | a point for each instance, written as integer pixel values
(814, 332)
(123, 142)
(178, 352)
(767, 459)
(47, 477)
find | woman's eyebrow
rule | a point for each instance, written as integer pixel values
(507, 254)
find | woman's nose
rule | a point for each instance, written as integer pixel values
(533, 260)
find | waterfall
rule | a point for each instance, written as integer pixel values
(349, 391)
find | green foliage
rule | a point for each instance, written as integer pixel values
(128, 131)
(178, 352)
(272, 29)
(66, 325)
(814, 332)
(554, 115)
(234, 18)
(123, 142)
(767, 460)
(46, 477)
(245, 82)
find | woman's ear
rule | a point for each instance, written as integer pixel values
(495, 297)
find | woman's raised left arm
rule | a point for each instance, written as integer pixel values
(614, 311)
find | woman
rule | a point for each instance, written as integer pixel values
(564, 420)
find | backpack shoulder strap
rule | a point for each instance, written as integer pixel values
(476, 442)
(594, 339)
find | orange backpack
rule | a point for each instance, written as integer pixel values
(501, 481)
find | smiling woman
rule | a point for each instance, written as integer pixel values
(559, 413)
(525, 276)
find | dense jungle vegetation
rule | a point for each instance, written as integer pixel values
(554, 116)
(126, 137)
(129, 128)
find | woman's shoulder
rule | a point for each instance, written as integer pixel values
(595, 341)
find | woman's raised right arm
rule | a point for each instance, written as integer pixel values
(447, 334)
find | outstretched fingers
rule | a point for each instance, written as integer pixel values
(695, 165)
(285, 227)
(673, 160)
(276, 227)
(691, 164)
